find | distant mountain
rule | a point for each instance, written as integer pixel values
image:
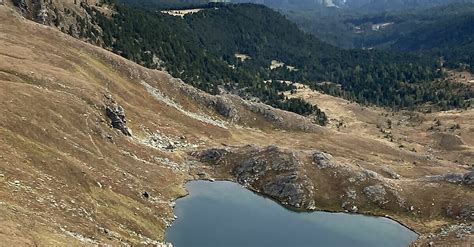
(276, 4)
(451, 37)
(298, 4)
(361, 5)
(442, 31)
(446, 31)
(390, 5)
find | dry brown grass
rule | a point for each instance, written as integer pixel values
(75, 174)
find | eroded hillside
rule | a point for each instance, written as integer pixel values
(94, 149)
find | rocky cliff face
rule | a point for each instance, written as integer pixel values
(68, 16)
(270, 171)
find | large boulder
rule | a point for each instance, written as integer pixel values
(116, 114)
(211, 156)
(323, 160)
(468, 178)
(22, 5)
(225, 107)
(455, 178)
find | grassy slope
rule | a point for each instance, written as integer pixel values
(54, 142)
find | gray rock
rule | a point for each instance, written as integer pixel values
(454, 178)
(262, 161)
(116, 114)
(282, 161)
(352, 194)
(434, 178)
(164, 142)
(170, 146)
(323, 160)
(280, 171)
(468, 178)
(22, 5)
(271, 171)
(391, 173)
(212, 155)
(370, 174)
(225, 107)
(467, 212)
(349, 207)
(286, 189)
(375, 193)
(250, 168)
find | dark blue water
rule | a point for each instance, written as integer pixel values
(223, 214)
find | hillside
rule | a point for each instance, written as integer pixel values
(66, 175)
(278, 52)
(95, 149)
(366, 6)
(394, 5)
(444, 31)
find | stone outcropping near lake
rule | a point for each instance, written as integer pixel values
(270, 170)
(301, 179)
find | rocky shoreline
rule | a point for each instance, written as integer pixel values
(281, 175)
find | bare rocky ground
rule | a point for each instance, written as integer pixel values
(95, 149)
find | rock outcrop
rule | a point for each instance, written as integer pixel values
(231, 107)
(225, 107)
(211, 156)
(270, 170)
(323, 160)
(282, 119)
(287, 189)
(22, 5)
(375, 193)
(116, 115)
(69, 17)
(468, 178)
(391, 173)
(165, 142)
(454, 178)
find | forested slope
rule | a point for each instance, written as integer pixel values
(200, 48)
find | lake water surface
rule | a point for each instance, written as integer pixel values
(223, 214)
